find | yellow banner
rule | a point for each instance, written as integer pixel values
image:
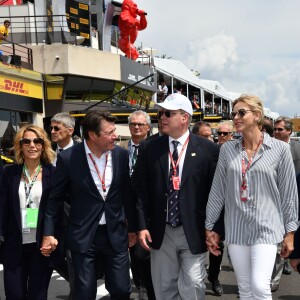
(20, 86)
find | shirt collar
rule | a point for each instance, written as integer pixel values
(181, 140)
(88, 151)
(68, 146)
(267, 141)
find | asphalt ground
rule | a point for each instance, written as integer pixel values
(289, 288)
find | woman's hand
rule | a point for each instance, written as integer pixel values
(287, 245)
(212, 242)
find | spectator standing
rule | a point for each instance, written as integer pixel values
(295, 256)
(61, 129)
(23, 198)
(224, 131)
(139, 126)
(283, 128)
(95, 171)
(261, 206)
(177, 170)
(203, 129)
(4, 30)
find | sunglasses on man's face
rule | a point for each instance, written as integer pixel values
(167, 113)
(223, 133)
(36, 141)
(240, 113)
(278, 129)
(55, 128)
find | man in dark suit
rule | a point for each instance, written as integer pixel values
(283, 128)
(295, 256)
(95, 174)
(173, 187)
(139, 125)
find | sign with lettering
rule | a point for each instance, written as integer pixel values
(20, 86)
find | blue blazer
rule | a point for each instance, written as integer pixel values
(73, 178)
(10, 214)
(296, 252)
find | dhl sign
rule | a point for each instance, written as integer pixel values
(21, 87)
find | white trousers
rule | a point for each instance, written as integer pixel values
(253, 266)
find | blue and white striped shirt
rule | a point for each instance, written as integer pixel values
(272, 206)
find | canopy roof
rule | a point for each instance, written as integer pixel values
(176, 69)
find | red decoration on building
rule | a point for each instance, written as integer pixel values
(129, 26)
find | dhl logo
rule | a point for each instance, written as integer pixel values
(14, 86)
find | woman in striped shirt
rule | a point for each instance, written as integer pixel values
(255, 182)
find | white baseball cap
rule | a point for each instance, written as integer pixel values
(176, 101)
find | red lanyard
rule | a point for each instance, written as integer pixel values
(244, 168)
(178, 160)
(102, 179)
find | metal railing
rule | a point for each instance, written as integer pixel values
(40, 29)
(17, 55)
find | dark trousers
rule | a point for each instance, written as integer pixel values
(30, 279)
(116, 268)
(215, 264)
(141, 269)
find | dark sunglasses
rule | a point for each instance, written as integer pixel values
(36, 141)
(278, 129)
(167, 113)
(56, 128)
(223, 133)
(240, 112)
(137, 124)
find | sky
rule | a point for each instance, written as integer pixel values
(250, 46)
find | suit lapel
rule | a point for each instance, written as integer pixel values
(16, 200)
(190, 156)
(164, 158)
(85, 169)
(115, 158)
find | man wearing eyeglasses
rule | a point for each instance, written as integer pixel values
(283, 128)
(203, 129)
(139, 126)
(224, 131)
(61, 130)
(173, 187)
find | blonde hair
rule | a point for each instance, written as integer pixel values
(255, 104)
(47, 155)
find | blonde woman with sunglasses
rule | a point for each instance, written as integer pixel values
(255, 182)
(23, 196)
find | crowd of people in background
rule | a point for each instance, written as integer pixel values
(156, 203)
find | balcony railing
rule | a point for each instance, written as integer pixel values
(16, 54)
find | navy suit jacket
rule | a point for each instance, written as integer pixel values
(73, 177)
(10, 214)
(296, 252)
(152, 184)
(295, 149)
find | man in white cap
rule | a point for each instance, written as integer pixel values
(173, 187)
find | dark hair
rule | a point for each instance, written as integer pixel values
(288, 124)
(198, 125)
(93, 121)
(6, 21)
(268, 127)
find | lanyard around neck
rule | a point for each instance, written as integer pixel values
(26, 175)
(102, 179)
(174, 166)
(246, 168)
